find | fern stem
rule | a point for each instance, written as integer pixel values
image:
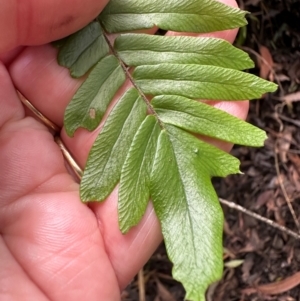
(129, 76)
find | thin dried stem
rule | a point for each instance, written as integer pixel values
(260, 218)
(141, 283)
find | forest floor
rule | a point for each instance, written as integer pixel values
(263, 262)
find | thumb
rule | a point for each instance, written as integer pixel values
(33, 22)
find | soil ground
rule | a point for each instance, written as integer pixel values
(271, 177)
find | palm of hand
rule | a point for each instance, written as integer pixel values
(52, 246)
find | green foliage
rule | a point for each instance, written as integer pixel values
(143, 49)
(176, 15)
(109, 151)
(92, 99)
(200, 118)
(83, 50)
(198, 81)
(147, 143)
(135, 175)
(192, 219)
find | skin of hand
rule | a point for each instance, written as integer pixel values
(53, 247)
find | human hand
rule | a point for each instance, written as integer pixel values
(52, 246)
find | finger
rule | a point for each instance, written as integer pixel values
(32, 22)
(10, 274)
(12, 110)
(7, 57)
(49, 87)
(40, 79)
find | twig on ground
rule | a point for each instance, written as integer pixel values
(260, 218)
(141, 283)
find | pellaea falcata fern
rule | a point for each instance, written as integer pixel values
(147, 145)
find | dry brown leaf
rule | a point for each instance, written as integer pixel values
(293, 97)
(263, 198)
(295, 159)
(284, 144)
(271, 207)
(162, 293)
(247, 266)
(294, 170)
(294, 71)
(282, 77)
(211, 291)
(276, 288)
(266, 64)
(253, 244)
(232, 264)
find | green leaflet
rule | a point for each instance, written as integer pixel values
(209, 159)
(144, 49)
(93, 97)
(200, 81)
(83, 49)
(107, 156)
(176, 15)
(134, 187)
(203, 119)
(188, 208)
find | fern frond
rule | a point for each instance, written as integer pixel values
(147, 143)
